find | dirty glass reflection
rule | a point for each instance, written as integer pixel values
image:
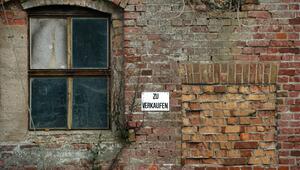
(49, 102)
(90, 43)
(48, 43)
(90, 103)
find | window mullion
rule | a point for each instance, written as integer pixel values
(70, 101)
(69, 43)
(70, 79)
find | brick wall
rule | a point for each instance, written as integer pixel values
(229, 73)
(229, 125)
(159, 37)
(23, 149)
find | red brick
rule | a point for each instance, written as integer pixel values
(295, 153)
(153, 167)
(246, 153)
(287, 72)
(245, 145)
(211, 168)
(293, 36)
(195, 121)
(199, 29)
(131, 29)
(131, 15)
(235, 161)
(281, 35)
(259, 36)
(28, 146)
(279, 43)
(289, 50)
(222, 168)
(258, 168)
(251, 1)
(283, 168)
(193, 161)
(219, 89)
(30, 167)
(244, 136)
(53, 145)
(19, 21)
(294, 21)
(134, 2)
(294, 94)
(132, 59)
(295, 109)
(259, 14)
(293, 139)
(258, 43)
(131, 124)
(144, 131)
(82, 146)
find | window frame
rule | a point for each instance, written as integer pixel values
(69, 12)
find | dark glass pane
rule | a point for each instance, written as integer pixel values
(49, 102)
(90, 103)
(90, 43)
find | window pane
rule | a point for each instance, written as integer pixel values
(49, 102)
(90, 43)
(90, 103)
(48, 43)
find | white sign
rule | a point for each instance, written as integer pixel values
(155, 101)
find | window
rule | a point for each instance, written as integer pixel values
(69, 69)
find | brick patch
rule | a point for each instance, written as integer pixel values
(229, 73)
(229, 125)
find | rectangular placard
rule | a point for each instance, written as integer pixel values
(155, 101)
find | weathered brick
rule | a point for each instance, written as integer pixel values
(188, 97)
(208, 88)
(289, 50)
(257, 97)
(189, 130)
(294, 21)
(235, 161)
(295, 153)
(209, 130)
(232, 129)
(232, 120)
(219, 89)
(150, 40)
(7, 147)
(30, 167)
(243, 112)
(232, 89)
(244, 90)
(245, 145)
(28, 146)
